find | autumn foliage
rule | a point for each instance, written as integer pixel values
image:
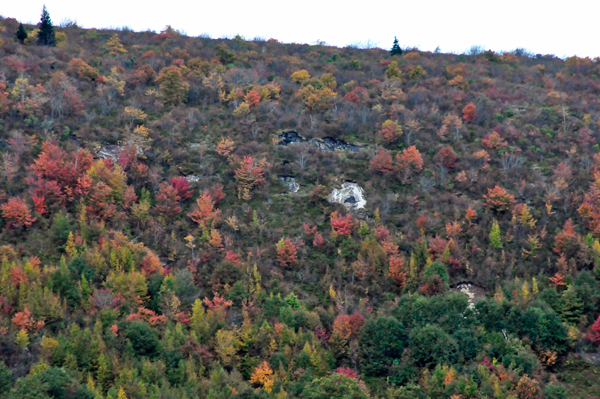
(16, 213)
(342, 225)
(287, 254)
(498, 199)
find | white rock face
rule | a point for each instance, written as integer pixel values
(192, 178)
(468, 291)
(351, 195)
(293, 186)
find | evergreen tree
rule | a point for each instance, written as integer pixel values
(46, 32)
(495, 236)
(21, 34)
(396, 50)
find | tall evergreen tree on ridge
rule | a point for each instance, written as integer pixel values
(396, 50)
(21, 33)
(46, 32)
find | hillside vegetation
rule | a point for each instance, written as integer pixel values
(167, 229)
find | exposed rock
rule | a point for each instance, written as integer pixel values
(293, 186)
(473, 293)
(192, 178)
(114, 151)
(325, 144)
(351, 195)
(196, 178)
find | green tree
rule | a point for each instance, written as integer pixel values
(143, 338)
(21, 34)
(396, 50)
(46, 35)
(218, 387)
(336, 386)
(5, 378)
(381, 342)
(173, 89)
(430, 345)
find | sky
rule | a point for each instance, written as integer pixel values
(553, 27)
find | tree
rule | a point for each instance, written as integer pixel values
(594, 334)
(528, 388)
(382, 162)
(46, 36)
(498, 199)
(183, 187)
(409, 162)
(5, 377)
(381, 341)
(205, 214)
(174, 91)
(21, 34)
(390, 131)
(286, 253)
(249, 175)
(16, 213)
(263, 376)
(300, 76)
(447, 157)
(143, 338)
(469, 112)
(167, 201)
(495, 236)
(396, 271)
(336, 386)
(342, 225)
(396, 50)
(431, 345)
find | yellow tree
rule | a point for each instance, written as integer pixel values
(263, 376)
(114, 46)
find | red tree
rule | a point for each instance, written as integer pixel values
(382, 162)
(183, 187)
(409, 162)
(16, 213)
(566, 239)
(167, 201)
(498, 199)
(594, 334)
(56, 175)
(396, 273)
(342, 225)
(286, 253)
(252, 98)
(469, 112)
(447, 157)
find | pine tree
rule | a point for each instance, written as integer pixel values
(396, 50)
(495, 237)
(46, 32)
(21, 34)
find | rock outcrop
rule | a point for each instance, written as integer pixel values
(325, 144)
(351, 195)
(291, 182)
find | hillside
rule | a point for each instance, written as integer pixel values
(208, 218)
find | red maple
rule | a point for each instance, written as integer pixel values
(16, 213)
(469, 112)
(182, 186)
(342, 225)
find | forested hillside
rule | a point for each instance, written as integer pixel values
(186, 217)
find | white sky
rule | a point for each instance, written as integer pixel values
(562, 28)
